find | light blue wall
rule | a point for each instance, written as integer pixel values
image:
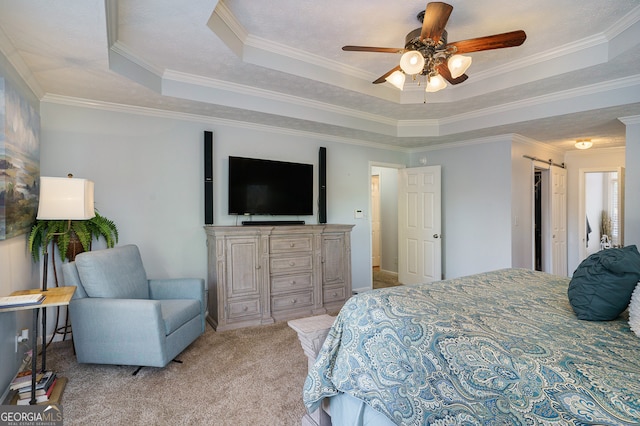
(476, 205)
(632, 183)
(148, 173)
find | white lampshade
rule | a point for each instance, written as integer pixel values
(458, 65)
(412, 62)
(397, 79)
(65, 199)
(436, 83)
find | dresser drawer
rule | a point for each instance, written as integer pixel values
(243, 308)
(290, 244)
(291, 301)
(291, 264)
(286, 283)
(333, 294)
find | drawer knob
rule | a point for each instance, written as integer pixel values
(335, 294)
(246, 308)
(293, 301)
(292, 244)
(292, 263)
(293, 282)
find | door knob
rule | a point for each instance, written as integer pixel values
(436, 235)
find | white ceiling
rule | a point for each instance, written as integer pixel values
(280, 63)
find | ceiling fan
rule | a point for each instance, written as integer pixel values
(426, 51)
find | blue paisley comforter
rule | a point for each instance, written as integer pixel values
(503, 347)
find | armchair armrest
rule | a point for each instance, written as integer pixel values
(180, 288)
(177, 288)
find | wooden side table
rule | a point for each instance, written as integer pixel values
(58, 296)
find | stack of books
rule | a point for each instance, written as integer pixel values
(45, 384)
(21, 300)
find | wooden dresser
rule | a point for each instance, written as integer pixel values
(261, 274)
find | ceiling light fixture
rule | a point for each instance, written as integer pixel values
(435, 83)
(428, 62)
(397, 79)
(431, 59)
(427, 53)
(458, 65)
(412, 62)
(584, 144)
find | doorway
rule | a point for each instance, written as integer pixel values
(601, 210)
(550, 219)
(384, 223)
(537, 219)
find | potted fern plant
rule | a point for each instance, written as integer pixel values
(71, 237)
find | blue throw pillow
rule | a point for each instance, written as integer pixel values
(602, 285)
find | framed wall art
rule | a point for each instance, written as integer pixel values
(19, 162)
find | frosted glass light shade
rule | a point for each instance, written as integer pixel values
(586, 144)
(65, 199)
(436, 83)
(458, 65)
(397, 79)
(412, 62)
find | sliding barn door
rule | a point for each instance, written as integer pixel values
(558, 221)
(419, 245)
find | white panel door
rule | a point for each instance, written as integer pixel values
(558, 221)
(419, 239)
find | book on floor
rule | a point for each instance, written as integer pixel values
(41, 384)
(23, 379)
(46, 391)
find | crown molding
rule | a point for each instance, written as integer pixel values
(630, 120)
(8, 50)
(176, 115)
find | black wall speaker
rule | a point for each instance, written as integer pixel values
(322, 185)
(208, 178)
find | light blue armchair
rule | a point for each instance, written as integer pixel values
(118, 316)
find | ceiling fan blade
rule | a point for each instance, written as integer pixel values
(436, 16)
(498, 41)
(383, 77)
(373, 49)
(443, 70)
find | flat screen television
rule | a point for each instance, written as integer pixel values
(268, 187)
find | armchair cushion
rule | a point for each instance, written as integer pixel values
(177, 312)
(128, 280)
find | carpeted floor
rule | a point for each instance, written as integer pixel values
(251, 376)
(382, 279)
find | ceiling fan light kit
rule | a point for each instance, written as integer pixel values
(426, 51)
(435, 83)
(397, 79)
(412, 62)
(458, 65)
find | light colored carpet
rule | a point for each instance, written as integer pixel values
(250, 376)
(383, 279)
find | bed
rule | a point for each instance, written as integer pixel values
(502, 347)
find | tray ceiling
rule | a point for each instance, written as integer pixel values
(280, 64)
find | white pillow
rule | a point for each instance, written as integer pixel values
(634, 311)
